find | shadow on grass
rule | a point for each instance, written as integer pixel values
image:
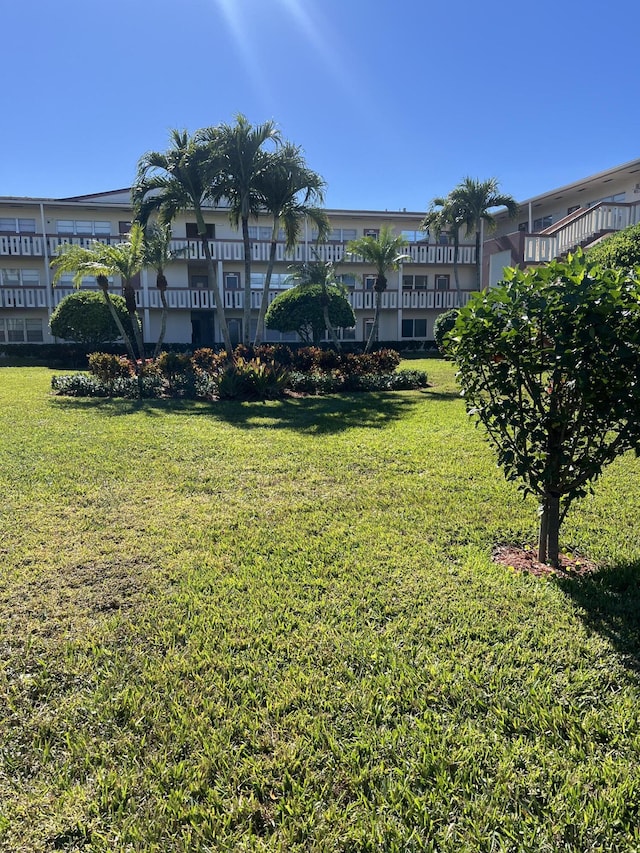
(610, 604)
(317, 415)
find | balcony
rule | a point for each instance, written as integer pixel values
(34, 245)
(188, 299)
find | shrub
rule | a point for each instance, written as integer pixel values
(175, 367)
(252, 379)
(85, 317)
(208, 360)
(108, 367)
(443, 325)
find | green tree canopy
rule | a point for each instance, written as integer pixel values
(549, 363)
(300, 309)
(84, 317)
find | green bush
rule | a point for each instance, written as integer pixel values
(252, 379)
(108, 367)
(85, 317)
(443, 325)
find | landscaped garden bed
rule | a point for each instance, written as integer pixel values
(266, 372)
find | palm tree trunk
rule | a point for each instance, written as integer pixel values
(456, 272)
(116, 319)
(130, 298)
(217, 289)
(325, 314)
(373, 336)
(162, 286)
(264, 304)
(246, 312)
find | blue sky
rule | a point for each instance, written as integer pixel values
(392, 102)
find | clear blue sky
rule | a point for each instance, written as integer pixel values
(393, 101)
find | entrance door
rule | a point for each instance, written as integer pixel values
(235, 331)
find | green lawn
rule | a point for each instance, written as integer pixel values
(277, 627)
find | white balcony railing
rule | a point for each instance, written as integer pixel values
(233, 250)
(596, 220)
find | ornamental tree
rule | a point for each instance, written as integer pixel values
(549, 364)
(85, 317)
(302, 309)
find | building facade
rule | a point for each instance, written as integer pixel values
(548, 225)
(31, 230)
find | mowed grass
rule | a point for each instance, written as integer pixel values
(277, 627)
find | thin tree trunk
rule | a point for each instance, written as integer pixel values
(478, 270)
(246, 312)
(553, 549)
(327, 321)
(544, 531)
(373, 336)
(116, 319)
(217, 289)
(132, 308)
(162, 286)
(265, 288)
(456, 273)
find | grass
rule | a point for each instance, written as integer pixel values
(277, 627)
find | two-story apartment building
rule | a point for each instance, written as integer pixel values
(32, 229)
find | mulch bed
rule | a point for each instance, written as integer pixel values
(522, 558)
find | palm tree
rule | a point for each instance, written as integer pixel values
(475, 199)
(181, 179)
(241, 161)
(445, 215)
(157, 254)
(289, 191)
(124, 259)
(384, 252)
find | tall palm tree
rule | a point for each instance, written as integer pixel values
(181, 179)
(124, 259)
(383, 252)
(445, 215)
(241, 157)
(289, 191)
(157, 254)
(475, 199)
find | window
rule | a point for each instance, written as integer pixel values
(34, 331)
(200, 282)
(232, 281)
(542, 223)
(372, 232)
(11, 278)
(124, 226)
(368, 327)
(338, 235)
(369, 282)
(443, 238)
(414, 282)
(30, 278)
(18, 226)
(573, 208)
(442, 282)
(83, 227)
(192, 231)
(523, 226)
(349, 334)
(416, 328)
(415, 236)
(259, 232)
(15, 330)
(279, 280)
(348, 279)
